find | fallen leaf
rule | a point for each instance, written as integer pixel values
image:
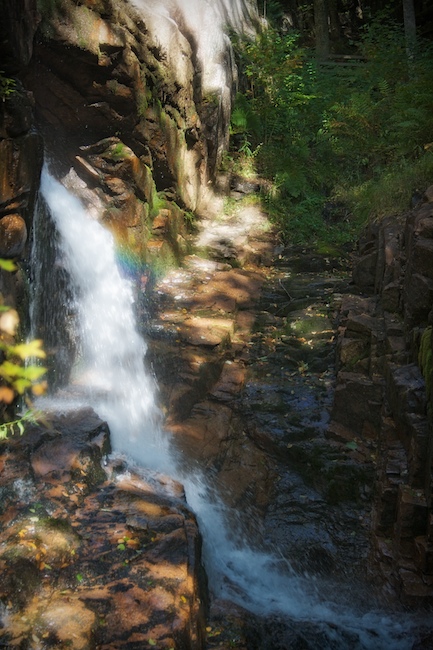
(6, 394)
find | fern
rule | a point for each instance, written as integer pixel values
(8, 429)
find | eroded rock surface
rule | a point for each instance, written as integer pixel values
(159, 75)
(93, 555)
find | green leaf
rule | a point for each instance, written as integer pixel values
(79, 577)
(21, 385)
(10, 370)
(30, 349)
(121, 547)
(352, 445)
(4, 431)
(152, 642)
(33, 372)
(7, 265)
(20, 426)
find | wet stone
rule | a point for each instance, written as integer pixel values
(84, 562)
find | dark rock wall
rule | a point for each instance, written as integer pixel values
(384, 391)
(21, 148)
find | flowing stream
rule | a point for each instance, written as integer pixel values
(110, 375)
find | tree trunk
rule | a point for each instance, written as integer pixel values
(409, 27)
(334, 21)
(321, 28)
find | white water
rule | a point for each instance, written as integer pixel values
(111, 377)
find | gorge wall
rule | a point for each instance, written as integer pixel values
(384, 391)
(134, 97)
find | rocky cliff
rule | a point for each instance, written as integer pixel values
(134, 97)
(384, 390)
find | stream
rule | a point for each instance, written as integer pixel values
(109, 374)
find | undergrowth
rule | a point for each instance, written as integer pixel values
(340, 144)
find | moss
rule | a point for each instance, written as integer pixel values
(142, 103)
(48, 7)
(161, 259)
(119, 151)
(425, 360)
(157, 202)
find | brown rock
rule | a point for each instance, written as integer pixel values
(20, 165)
(230, 383)
(412, 513)
(422, 257)
(428, 194)
(70, 621)
(207, 331)
(364, 270)
(161, 222)
(358, 400)
(108, 567)
(17, 29)
(13, 235)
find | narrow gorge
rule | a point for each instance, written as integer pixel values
(235, 449)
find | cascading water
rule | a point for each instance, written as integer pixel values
(110, 376)
(109, 373)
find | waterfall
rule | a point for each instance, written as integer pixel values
(109, 374)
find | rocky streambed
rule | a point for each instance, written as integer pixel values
(251, 356)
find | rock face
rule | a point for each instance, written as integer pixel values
(18, 26)
(384, 391)
(20, 167)
(92, 557)
(133, 100)
(159, 75)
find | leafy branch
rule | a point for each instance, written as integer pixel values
(19, 370)
(7, 86)
(18, 426)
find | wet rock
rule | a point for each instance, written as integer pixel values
(207, 331)
(358, 402)
(93, 558)
(405, 390)
(13, 235)
(364, 270)
(20, 162)
(417, 298)
(17, 30)
(276, 633)
(404, 297)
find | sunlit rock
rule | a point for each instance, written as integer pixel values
(13, 235)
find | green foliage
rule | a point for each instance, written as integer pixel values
(18, 426)
(358, 134)
(7, 86)
(19, 371)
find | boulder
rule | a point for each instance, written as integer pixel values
(91, 554)
(13, 235)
